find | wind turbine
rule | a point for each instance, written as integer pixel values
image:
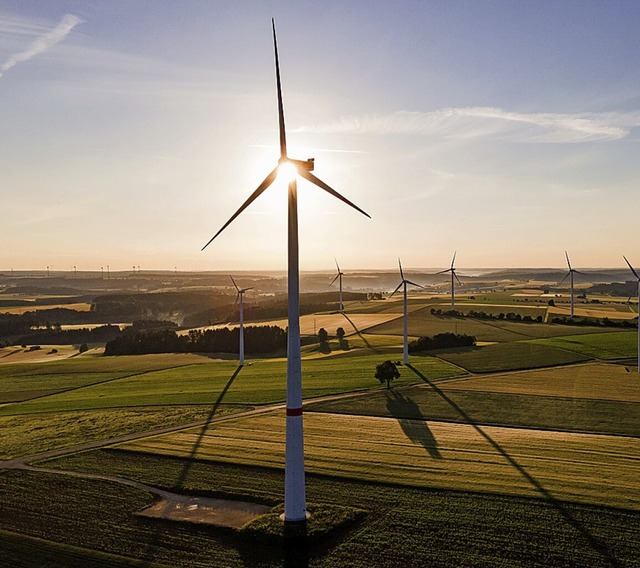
(339, 278)
(570, 274)
(454, 277)
(294, 490)
(240, 297)
(404, 282)
(638, 282)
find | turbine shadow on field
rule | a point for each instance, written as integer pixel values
(189, 461)
(558, 505)
(359, 334)
(412, 422)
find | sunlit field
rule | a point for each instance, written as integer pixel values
(536, 426)
(577, 467)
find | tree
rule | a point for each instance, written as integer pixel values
(84, 347)
(340, 333)
(387, 372)
(323, 336)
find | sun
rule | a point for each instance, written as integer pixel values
(287, 172)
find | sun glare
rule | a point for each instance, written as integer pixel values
(287, 172)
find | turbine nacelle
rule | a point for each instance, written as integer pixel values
(307, 164)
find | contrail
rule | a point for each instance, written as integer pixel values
(43, 42)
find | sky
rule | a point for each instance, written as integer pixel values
(131, 130)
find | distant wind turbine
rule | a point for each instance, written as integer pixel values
(638, 282)
(404, 282)
(570, 274)
(240, 298)
(454, 277)
(294, 490)
(339, 278)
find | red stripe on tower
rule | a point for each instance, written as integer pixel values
(294, 411)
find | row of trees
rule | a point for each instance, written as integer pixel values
(257, 340)
(441, 341)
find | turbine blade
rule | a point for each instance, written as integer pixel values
(338, 276)
(334, 258)
(631, 267)
(413, 284)
(567, 255)
(234, 283)
(264, 185)
(401, 273)
(565, 277)
(314, 180)
(443, 271)
(283, 137)
(458, 279)
(398, 288)
(454, 257)
(245, 289)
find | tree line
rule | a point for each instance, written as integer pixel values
(258, 340)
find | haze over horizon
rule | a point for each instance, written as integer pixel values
(132, 130)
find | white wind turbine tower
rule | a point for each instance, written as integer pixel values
(454, 277)
(240, 298)
(339, 279)
(570, 274)
(404, 282)
(294, 482)
(638, 282)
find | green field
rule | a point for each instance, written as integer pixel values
(422, 322)
(522, 451)
(578, 467)
(404, 526)
(510, 356)
(262, 382)
(617, 345)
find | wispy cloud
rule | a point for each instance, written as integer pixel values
(482, 122)
(43, 42)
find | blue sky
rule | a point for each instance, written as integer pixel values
(132, 130)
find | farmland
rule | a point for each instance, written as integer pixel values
(520, 450)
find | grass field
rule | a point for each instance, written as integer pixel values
(510, 356)
(612, 345)
(49, 431)
(25, 381)
(421, 322)
(533, 467)
(262, 382)
(404, 527)
(568, 466)
(595, 381)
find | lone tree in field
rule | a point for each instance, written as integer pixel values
(387, 372)
(340, 333)
(323, 336)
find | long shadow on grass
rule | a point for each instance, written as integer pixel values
(593, 542)
(413, 422)
(359, 334)
(189, 461)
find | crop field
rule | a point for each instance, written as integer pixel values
(612, 345)
(531, 462)
(23, 381)
(577, 467)
(459, 401)
(50, 431)
(510, 356)
(591, 381)
(261, 382)
(612, 314)
(404, 527)
(309, 325)
(422, 322)
(17, 310)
